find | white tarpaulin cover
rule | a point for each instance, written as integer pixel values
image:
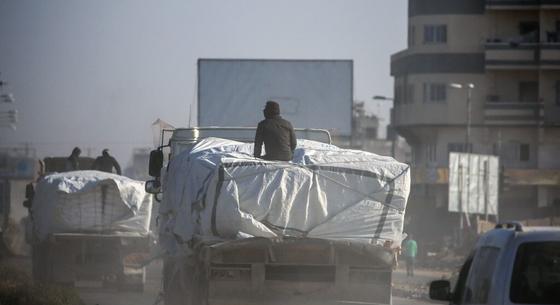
(473, 183)
(218, 189)
(90, 201)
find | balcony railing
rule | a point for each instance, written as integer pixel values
(511, 53)
(521, 4)
(513, 113)
(523, 52)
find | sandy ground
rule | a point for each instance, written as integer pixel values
(414, 290)
(406, 290)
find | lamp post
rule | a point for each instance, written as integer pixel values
(464, 210)
(469, 87)
(382, 98)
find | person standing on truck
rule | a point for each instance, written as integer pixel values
(106, 162)
(410, 248)
(73, 161)
(276, 133)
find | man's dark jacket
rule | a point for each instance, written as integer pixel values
(278, 137)
(106, 164)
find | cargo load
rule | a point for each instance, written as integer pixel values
(90, 202)
(218, 190)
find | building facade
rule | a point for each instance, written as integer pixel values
(365, 136)
(510, 51)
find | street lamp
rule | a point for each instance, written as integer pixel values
(469, 87)
(382, 98)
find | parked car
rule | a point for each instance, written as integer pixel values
(510, 264)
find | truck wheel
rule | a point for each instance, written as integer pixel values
(173, 293)
(200, 285)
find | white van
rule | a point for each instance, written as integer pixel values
(511, 264)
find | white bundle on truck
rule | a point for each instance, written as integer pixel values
(219, 190)
(90, 202)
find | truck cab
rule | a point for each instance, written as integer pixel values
(510, 264)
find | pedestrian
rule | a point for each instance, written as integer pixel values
(73, 161)
(106, 163)
(276, 133)
(410, 248)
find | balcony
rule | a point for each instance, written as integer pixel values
(550, 55)
(513, 113)
(511, 54)
(521, 4)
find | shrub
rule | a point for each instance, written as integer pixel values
(16, 288)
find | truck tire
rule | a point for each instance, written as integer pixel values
(174, 285)
(200, 285)
(40, 263)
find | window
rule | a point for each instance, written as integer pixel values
(529, 31)
(434, 93)
(459, 290)
(524, 152)
(409, 94)
(513, 152)
(397, 94)
(411, 35)
(3, 199)
(435, 34)
(558, 93)
(528, 92)
(535, 273)
(371, 132)
(479, 282)
(431, 152)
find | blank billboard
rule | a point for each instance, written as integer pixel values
(473, 183)
(311, 93)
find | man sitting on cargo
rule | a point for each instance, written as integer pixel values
(277, 135)
(73, 161)
(106, 162)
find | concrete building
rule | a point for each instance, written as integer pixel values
(365, 136)
(510, 51)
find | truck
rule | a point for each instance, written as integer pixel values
(89, 228)
(321, 229)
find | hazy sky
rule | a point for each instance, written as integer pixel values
(98, 73)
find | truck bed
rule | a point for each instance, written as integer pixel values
(289, 271)
(81, 259)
